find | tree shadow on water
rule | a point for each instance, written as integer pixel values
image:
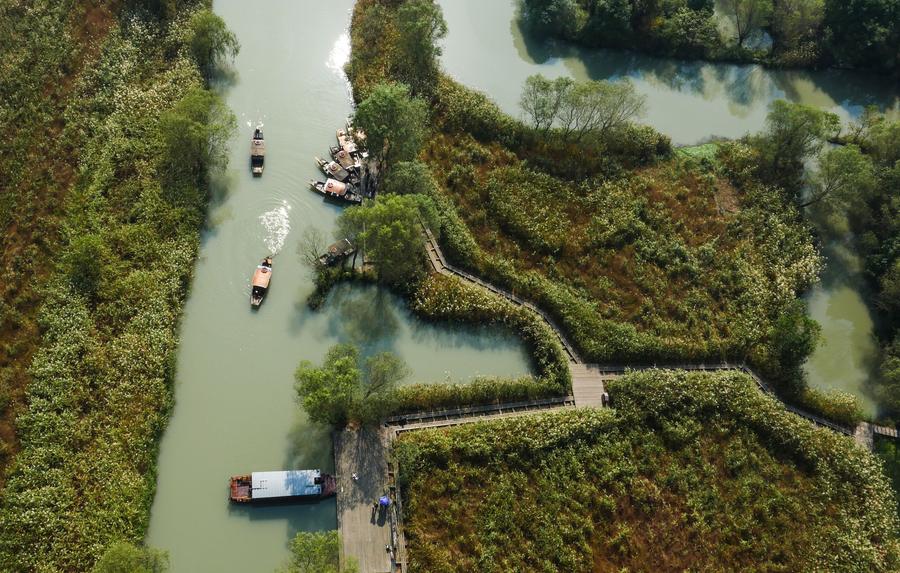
(365, 317)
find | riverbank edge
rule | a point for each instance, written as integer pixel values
(45, 518)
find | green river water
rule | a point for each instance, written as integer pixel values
(235, 410)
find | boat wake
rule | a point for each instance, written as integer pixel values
(339, 55)
(277, 224)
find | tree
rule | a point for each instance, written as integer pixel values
(394, 123)
(864, 33)
(748, 15)
(541, 99)
(601, 106)
(123, 557)
(341, 391)
(381, 375)
(793, 133)
(389, 232)
(311, 246)
(795, 21)
(562, 18)
(844, 172)
(794, 337)
(195, 133)
(420, 25)
(409, 177)
(317, 552)
(211, 41)
(580, 108)
(329, 393)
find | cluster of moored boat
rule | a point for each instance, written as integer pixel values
(344, 172)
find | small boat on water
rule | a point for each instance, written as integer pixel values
(292, 485)
(337, 252)
(334, 190)
(260, 282)
(257, 153)
(335, 170)
(345, 159)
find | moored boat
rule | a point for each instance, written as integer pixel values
(346, 160)
(337, 252)
(260, 282)
(334, 190)
(335, 170)
(257, 153)
(291, 485)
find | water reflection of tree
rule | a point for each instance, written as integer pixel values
(365, 317)
(745, 87)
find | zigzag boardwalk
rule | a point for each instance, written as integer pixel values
(587, 379)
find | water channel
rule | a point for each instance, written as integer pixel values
(235, 410)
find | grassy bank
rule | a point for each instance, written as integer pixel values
(132, 131)
(689, 471)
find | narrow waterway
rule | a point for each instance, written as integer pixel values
(235, 410)
(689, 101)
(847, 353)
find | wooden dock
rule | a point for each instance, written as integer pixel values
(365, 533)
(588, 385)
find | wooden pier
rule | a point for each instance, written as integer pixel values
(365, 532)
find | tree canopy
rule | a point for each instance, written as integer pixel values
(123, 557)
(580, 108)
(211, 41)
(794, 132)
(420, 25)
(316, 552)
(346, 389)
(389, 232)
(394, 123)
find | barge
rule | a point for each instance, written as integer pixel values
(278, 486)
(336, 191)
(257, 153)
(260, 282)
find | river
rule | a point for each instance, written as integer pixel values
(235, 410)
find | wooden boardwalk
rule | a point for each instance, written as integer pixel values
(365, 534)
(588, 385)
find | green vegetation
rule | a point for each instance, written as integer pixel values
(688, 472)
(578, 109)
(317, 552)
(113, 135)
(345, 390)
(389, 232)
(856, 190)
(124, 557)
(640, 255)
(862, 34)
(394, 123)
